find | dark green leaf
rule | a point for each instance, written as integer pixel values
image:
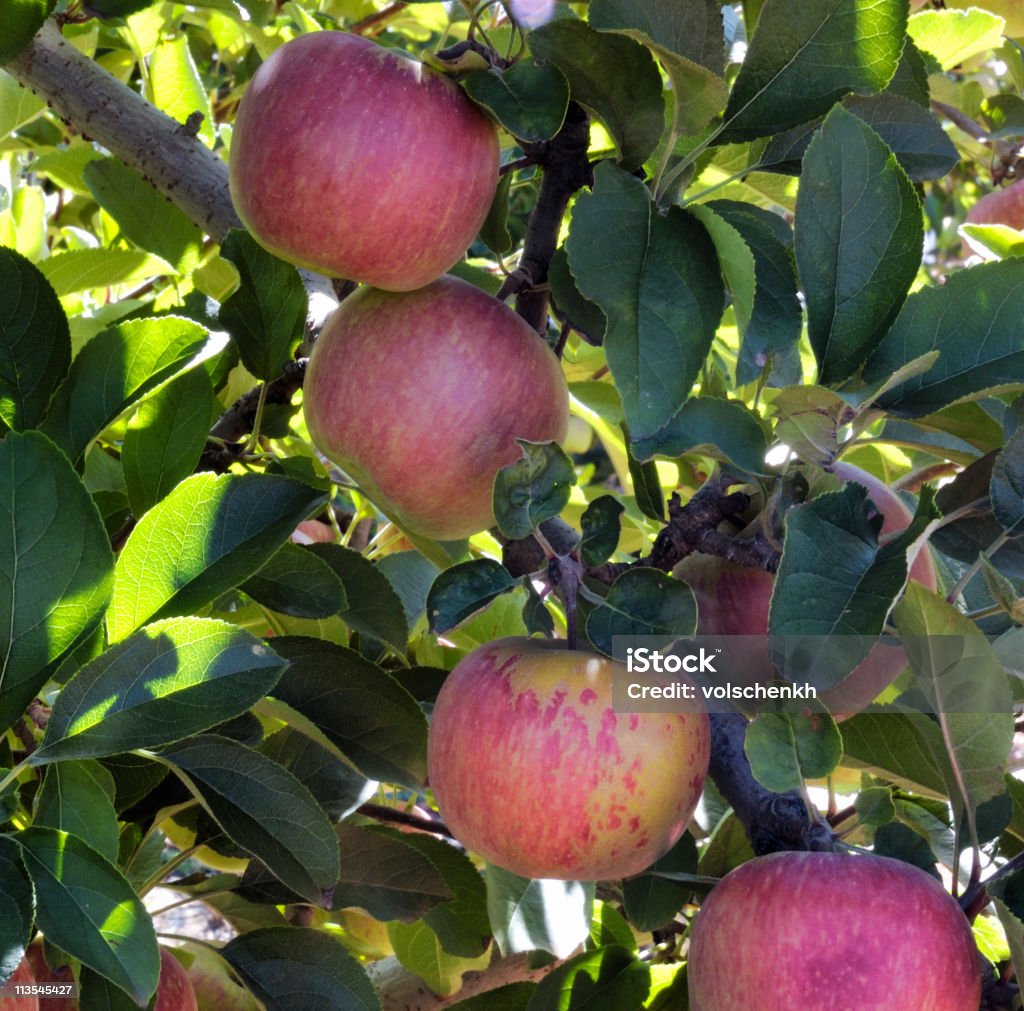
(86, 908)
(99, 994)
(78, 798)
(261, 807)
(584, 316)
(114, 371)
(1007, 488)
(723, 428)
(386, 876)
(296, 582)
(687, 39)
(609, 977)
(299, 968)
(901, 843)
(360, 708)
(56, 566)
(35, 343)
(164, 441)
(22, 19)
(651, 900)
(656, 279)
(528, 99)
(831, 556)
(803, 58)
(145, 216)
(533, 489)
(532, 915)
(411, 576)
(643, 602)
(650, 496)
(169, 680)
(614, 77)
(17, 907)
(859, 233)
(372, 608)
(207, 536)
(601, 524)
(494, 231)
(785, 749)
(461, 591)
(267, 314)
(118, 9)
(875, 806)
(976, 322)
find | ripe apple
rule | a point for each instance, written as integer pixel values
(23, 974)
(735, 599)
(358, 161)
(818, 931)
(533, 769)
(419, 396)
(173, 993)
(214, 986)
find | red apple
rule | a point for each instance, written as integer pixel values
(215, 987)
(358, 161)
(173, 993)
(23, 974)
(420, 396)
(821, 931)
(533, 769)
(734, 600)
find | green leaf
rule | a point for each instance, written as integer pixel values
(86, 908)
(966, 689)
(831, 556)
(411, 576)
(175, 86)
(609, 977)
(17, 907)
(687, 39)
(804, 57)
(647, 490)
(994, 242)
(78, 798)
(56, 566)
(266, 316)
(386, 876)
(952, 36)
(652, 900)
(511, 997)
(785, 749)
(614, 77)
(115, 370)
(528, 99)
(298, 968)
(1007, 488)
(724, 428)
(643, 601)
(601, 524)
(584, 316)
(418, 949)
(165, 440)
(296, 582)
(808, 420)
(35, 343)
(261, 807)
(494, 231)
(532, 915)
(22, 19)
(208, 535)
(360, 708)
(372, 608)
(533, 489)
(657, 281)
(18, 106)
(461, 591)
(875, 806)
(976, 323)
(169, 680)
(84, 269)
(144, 215)
(859, 233)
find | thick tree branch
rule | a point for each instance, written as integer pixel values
(99, 106)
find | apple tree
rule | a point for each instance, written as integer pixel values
(345, 344)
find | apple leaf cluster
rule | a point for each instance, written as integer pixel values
(685, 318)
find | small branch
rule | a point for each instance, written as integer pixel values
(99, 106)
(772, 821)
(417, 822)
(375, 23)
(566, 169)
(238, 420)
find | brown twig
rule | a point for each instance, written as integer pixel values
(238, 420)
(375, 23)
(417, 822)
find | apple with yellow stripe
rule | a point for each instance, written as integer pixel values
(533, 769)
